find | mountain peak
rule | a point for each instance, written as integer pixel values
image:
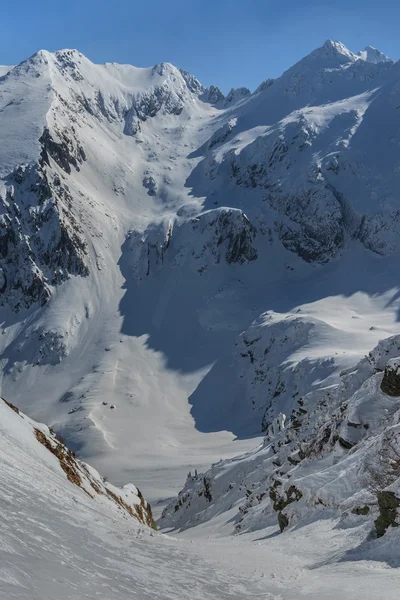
(236, 94)
(373, 55)
(69, 53)
(164, 68)
(335, 48)
(41, 56)
(330, 55)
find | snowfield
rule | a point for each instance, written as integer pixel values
(188, 280)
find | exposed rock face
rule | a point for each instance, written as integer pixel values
(264, 85)
(213, 95)
(148, 104)
(41, 242)
(233, 231)
(388, 512)
(391, 380)
(235, 95)
(192, 82)
(65, 153)
(220, 235)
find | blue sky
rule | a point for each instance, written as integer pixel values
(227, 42)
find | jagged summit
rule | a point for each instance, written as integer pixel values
(236, 95)
(330, 54)
(373, 55)
(337, 51)
(331, 47)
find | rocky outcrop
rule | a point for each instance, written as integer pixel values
(66, 152)
(391, 379)
(217, 236)
(388, 505)
(148, 104)
(41, 242)
(235, 95)
(213, 95)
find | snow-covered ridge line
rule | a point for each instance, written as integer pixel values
(128, 499)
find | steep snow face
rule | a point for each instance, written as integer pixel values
(67, 541)
(330, 447)
(59, 111)
(26, 95)
(299, 147)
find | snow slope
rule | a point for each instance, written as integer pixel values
(28, 446)
(58, 542)
(63, 540)
(147, 222)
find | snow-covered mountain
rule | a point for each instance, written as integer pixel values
(179, 268)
